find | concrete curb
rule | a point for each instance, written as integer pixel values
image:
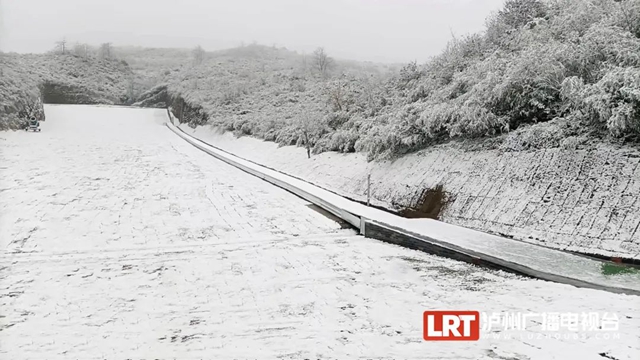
(341, 213)
(390, 233)
(394, 235)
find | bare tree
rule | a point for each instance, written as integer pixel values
(372, 85)
(105, 51)
(198, 55)
(78, 49)
(61, 46)
(336, 96)
(81, 50)
(322, 61)
(307, 125)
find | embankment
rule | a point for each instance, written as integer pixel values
(578, 200)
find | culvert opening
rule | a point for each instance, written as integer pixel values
(431, 204)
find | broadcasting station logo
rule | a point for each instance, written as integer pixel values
(450, 325)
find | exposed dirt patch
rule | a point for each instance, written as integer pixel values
(431, 203)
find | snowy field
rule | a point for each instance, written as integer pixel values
(122, 241)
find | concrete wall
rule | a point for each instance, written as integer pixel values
(585, 200)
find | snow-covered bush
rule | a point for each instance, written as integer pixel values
(557, 133)
(539, 62)
(614, 101)
(19, 94)
(343, 141)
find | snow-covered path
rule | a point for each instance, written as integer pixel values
(120, 240)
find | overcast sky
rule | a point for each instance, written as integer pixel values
(376, 30)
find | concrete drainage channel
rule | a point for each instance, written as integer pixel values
(386, 232)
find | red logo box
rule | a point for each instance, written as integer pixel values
(451, 325)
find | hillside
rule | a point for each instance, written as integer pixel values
(19, 93)
(27, 80)
(151, 65)
(543, 74)
(262, 91)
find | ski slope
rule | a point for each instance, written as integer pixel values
(120, 240)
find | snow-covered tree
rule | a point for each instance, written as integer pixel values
(61, 46)
(629, 15)
(81, 50)
(307, 125)
(517, 13)
(105, 51)
(322, 61)
(198, 54)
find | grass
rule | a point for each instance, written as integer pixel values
(616, 269)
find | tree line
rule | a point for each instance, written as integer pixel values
(104, 51)
(320, 61)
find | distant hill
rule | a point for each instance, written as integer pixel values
(151, 64)
(264, 91)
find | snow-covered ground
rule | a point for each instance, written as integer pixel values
(576, 200)
(539, 262)
(120, 240)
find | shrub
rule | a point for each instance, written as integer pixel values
(343, 141)
(614, 101)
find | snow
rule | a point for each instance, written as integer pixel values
(539, 259)
(575, 200)
(121, 240)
